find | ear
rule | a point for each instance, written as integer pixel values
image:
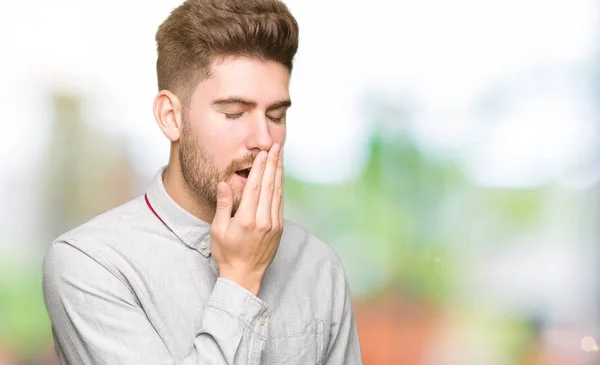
(168, 114)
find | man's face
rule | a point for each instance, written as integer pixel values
(232, 116)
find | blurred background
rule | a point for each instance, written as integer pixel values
(449, 151)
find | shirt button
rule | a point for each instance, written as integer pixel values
(261, 321)
(203, 245)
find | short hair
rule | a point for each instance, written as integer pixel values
(200, 32)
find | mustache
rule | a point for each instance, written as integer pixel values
(238, 164)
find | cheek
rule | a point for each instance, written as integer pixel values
(217, 137)
(224, 146)
(278, 133)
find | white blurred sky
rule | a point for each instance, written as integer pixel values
(445, 55)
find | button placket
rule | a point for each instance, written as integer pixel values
(262, 323)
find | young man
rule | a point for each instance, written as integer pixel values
(202, 269)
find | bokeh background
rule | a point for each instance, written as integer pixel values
(449, 151)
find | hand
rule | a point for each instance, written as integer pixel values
(244, 245)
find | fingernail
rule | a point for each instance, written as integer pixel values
(263, 155)
(221, 189)
(276, 149)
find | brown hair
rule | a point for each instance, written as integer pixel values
(199, 32)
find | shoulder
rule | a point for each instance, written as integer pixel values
(109, 223)
(298, 240)
(95, 241)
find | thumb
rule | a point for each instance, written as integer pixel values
(224, 206)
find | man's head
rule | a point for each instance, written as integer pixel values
(223, 75)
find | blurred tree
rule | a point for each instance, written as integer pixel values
(87, 171)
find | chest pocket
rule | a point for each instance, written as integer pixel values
(296, 343)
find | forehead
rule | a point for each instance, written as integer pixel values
(253, 79)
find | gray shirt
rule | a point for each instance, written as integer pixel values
(138, 285)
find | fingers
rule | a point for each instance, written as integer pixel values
(277, 204)
(263, 212)
(224, 206)
(251, 193)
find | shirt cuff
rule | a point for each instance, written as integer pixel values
(236, 300)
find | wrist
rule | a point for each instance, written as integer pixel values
(250, 282)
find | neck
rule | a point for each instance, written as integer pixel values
(184, 195)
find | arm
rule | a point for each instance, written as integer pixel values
(343, 347)
(96, 318)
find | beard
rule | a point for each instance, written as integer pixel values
(200, 172)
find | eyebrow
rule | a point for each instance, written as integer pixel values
(237, 100)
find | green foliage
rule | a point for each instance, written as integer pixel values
(24, 323)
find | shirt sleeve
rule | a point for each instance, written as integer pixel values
(343, 347)
(96, 318)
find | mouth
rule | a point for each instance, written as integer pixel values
(243, 173)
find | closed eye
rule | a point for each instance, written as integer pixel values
(238, 115)
(233, 116)
(276, 120)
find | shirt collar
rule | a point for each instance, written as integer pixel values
(190, 229)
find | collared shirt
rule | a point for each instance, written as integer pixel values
(138, 285)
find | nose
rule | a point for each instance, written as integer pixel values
(259, 135)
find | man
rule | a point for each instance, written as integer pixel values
(202, 269)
